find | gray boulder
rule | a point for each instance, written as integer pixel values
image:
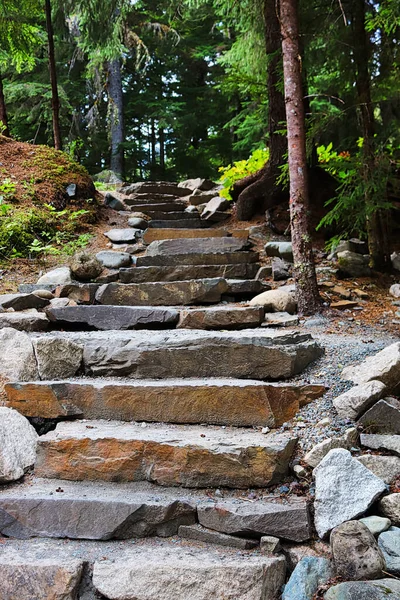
(137, 223)
(114, 202)
(395, 290)
(352, 264)
(389, 507)
(114, 260)
(280, 249)
(317, 453)
(310, 573)
(18, 361)
(204, 185)
(59, 276)
(383, 589)
(85, 267)
(123, 236)
(383, 366)
(213, 206)
(351, 404)
(381, 442)
(384, 467)
(280, 269)
(389, 543)
(383, 417)
(18, 442)
(355, 552)
(57, 358)
(22, 301)
(30, 320)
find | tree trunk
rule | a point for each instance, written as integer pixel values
(260, 191)
(153, 142)
(116, 115)
(55, 101)
(376, 223)
(304, 270)
(3, 112)
(161, 139)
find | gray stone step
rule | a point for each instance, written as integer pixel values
(202, 245)
(233, 402)
(147, 570)
(225, 316)
(169, 455)
(186, 272)
(152, 235)
(162, 207)
(157, 215)
(246, 354)
(214, 258)
(245, 288)
(181, 224)
(155, 189)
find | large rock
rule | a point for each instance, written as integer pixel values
(389, 543)
(22, 301)
(214, 206)
(383, 589)
(204, 185)
(202, 245)
(85, 267)
(310, 573)
(201, 534)
(356, 554)
(351, 404)
(389, 506)
(114, 260)
(383, 366)
(384, 467)
(281, 269)
(162, 294)
(198, 258)
(279, 300)
(381, 442)
(221, 317)
(339, 497)
(113, 317)
(352, 264)
(17, 445)
(59, 276)
(289, 521)
(57, 358)
(279, 249)
(186, 272)
(198, 574)
(153, 235)
(383, 417)
(123, 236)
(317, 453)
(82, 293)
(114, 202)
(137, 223)
(31, 320)
(18, 361)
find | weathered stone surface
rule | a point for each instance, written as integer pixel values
(202, 245)
(351, 404)
(140, 210)
(123, 236)
(289, 521)
(92, 511)
(242, 288)
(198, 197)
(280, 319)
(114, 202)
(338, 494)
(183, 223)
(280, 269)
(317, 453)
(389, 506)
(31, 320)
(356, 554)
(389, 543)
(162, 294)
(383, 589)
(161, 215)
(246, 354)
(279, 249)
(384, 467)
(381, 442)
(17, 445)
(164, 454)
(216, 401)
(215, 258)
(182, 573)
(113, 317)
(343, 304)
(17, 356)
(203, 185)
(153, 235)
(114, 260)
(270, 545)
(187, 272)
(276, 301)
(383, 417)
(376, 524)
(352, 264)
(137, 223)
(154, 187)
(310, 573)
(59, 276)
(264, 272)
(220, 317)
(57, 358)
(213, 206)
(383, 366)
(82, 293)
(22, 301)
(85, 267)
(201, 534)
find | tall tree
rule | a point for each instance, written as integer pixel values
(55, 100)
(308, 298)
(116, 115)
(4, 130)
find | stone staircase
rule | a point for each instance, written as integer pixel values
(151, 439)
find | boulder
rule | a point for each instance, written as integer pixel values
(57, 358)
(18, 361)
(356, 554)
(123, 236)
(201, 534)
(280, 249)
(220, 317)
(59, 276)
(114, 260)
(310, 573)
(383, 589)
(22, 301)
(85, 267)
(317, 453)
(202, 245)
(18, 442)
(376, 524)
(383, 417)
(389, 543)
(381, 442)
(384, 467)
(352, 264)
(351, 404)
(137, 223)
(114, 202)
(204, 185)
(30, 320)
(213, 206)
(395, 290)
(280, 269)
(395, 258)
(198, 197)
(339, 497)
(389, 506)
(383, 366)
(276, 301)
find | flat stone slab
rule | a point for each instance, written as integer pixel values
(92, 510)
(153, 235)
(123, 236)
(201, 534)
(186, 272)
(210, 258)
(280, 319)
(381, 442)
(112, 317)
(22, 301)
(247, 354)
(383, 417)
(384, 467)
(181, 224)
(202, 245)
(221, 317)
(162, 293)
(31, 320)
(154, 206)
(215, 401)
(160, 215)
(114, 260)
(246, 288)
(290, 521)
(169, 455)
(82, 293)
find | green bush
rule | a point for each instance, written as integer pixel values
(240, 169)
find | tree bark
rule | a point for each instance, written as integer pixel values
(3, 112)
(116, 116)
(260, 191)
(161, 139)
(55, 101)
(308, 298)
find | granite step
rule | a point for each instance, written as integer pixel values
(168, 206)
(201, 258)
(180, 224)
(232, 402)
(158, 215)
(186, 272)
(170, 455)
(152, 235)
(147, 570)
(202, 245)
(246, 354)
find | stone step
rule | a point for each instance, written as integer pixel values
(201, 258)
(195, 291)
(181, 224)
(243, 289)
(143, 206)
(157, 215)
(155, 189)
(152, 235)
(233, 402)
(148, 570)
(225, 316)
(186, 272)
(169, 455)
(202, 245)
(104, 511)
(246, 354)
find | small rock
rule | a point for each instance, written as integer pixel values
(137, 223)
(343, 305)
(395, 290)
(114, 260)
(123, 236)
(358, 399)
(270, 545)
(341, 291)
(59, 276)
(85, 267)
(383, 366)
(280, 269)
(376, 524)
(389, 506)
(46, 294)
(310, 573)
(356, 554)
(383, 589)
(389, 543)
(279, 249)
(317, 453)
(71, 190)
(280, 319)
(114, 202)
(395, 258)
(299, 471)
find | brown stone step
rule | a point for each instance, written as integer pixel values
(215, 401)
(226, 316)
(186, 272)
(201, 258)
(169, 455)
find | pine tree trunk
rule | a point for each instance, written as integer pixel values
(161, 139)
(153, 142)
(3, 112)
(55, 101)
(304, 270)
(116, 116)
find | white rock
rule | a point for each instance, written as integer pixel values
(395, 290)
(17, 356)
(358, 399)
(317, 453)
(344, 490)
(276, 301)
(59, 276)
(17, 445)
(383, 366)
(395, 258)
